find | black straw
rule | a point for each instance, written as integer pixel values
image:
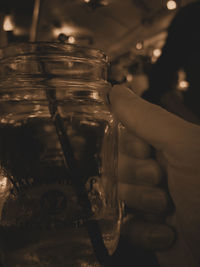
(92, 225)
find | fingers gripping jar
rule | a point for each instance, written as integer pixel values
(58, 157)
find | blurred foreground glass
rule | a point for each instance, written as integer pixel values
(58, 151)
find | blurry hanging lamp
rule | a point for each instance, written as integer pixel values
(8, 28)
(91, 224)
(8, 23)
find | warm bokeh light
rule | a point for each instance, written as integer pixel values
(95, 95)
(71, 40)
(65, 29)
(104, 3)
(8, 24)
(19, 31)
(86, 1)
(171, 5)
(183, 85)
(157, 52)
(129, 77)
(139, 46)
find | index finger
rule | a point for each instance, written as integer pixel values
(153, 124)
(132, 145)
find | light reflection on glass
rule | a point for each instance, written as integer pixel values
(106, 129)
(70, 64)
(66, 29)
(37, 107)
(5, 186)
(94, 95)
(26, 97)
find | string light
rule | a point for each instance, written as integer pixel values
(171, 5)
(8, 24)
(129, 77)
(139, 46)
(157, 52)
(4, 184)
(183, 85)
(71, 39)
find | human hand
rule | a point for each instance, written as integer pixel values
(178, 143)
(142, 185)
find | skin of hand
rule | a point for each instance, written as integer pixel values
(141, 179)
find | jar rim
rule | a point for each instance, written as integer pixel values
(52, 48)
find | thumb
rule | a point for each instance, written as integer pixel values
(153, 124)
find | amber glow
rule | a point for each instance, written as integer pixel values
(139, 46)
(71, 40)
(65, 29)
(183, 85)
(8, 24)
(157, 52)
(129, 77)
(171, 5)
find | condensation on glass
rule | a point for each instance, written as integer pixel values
(58, 150)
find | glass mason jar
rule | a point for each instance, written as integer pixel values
(58, 157)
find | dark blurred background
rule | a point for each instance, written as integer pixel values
(131, 32)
